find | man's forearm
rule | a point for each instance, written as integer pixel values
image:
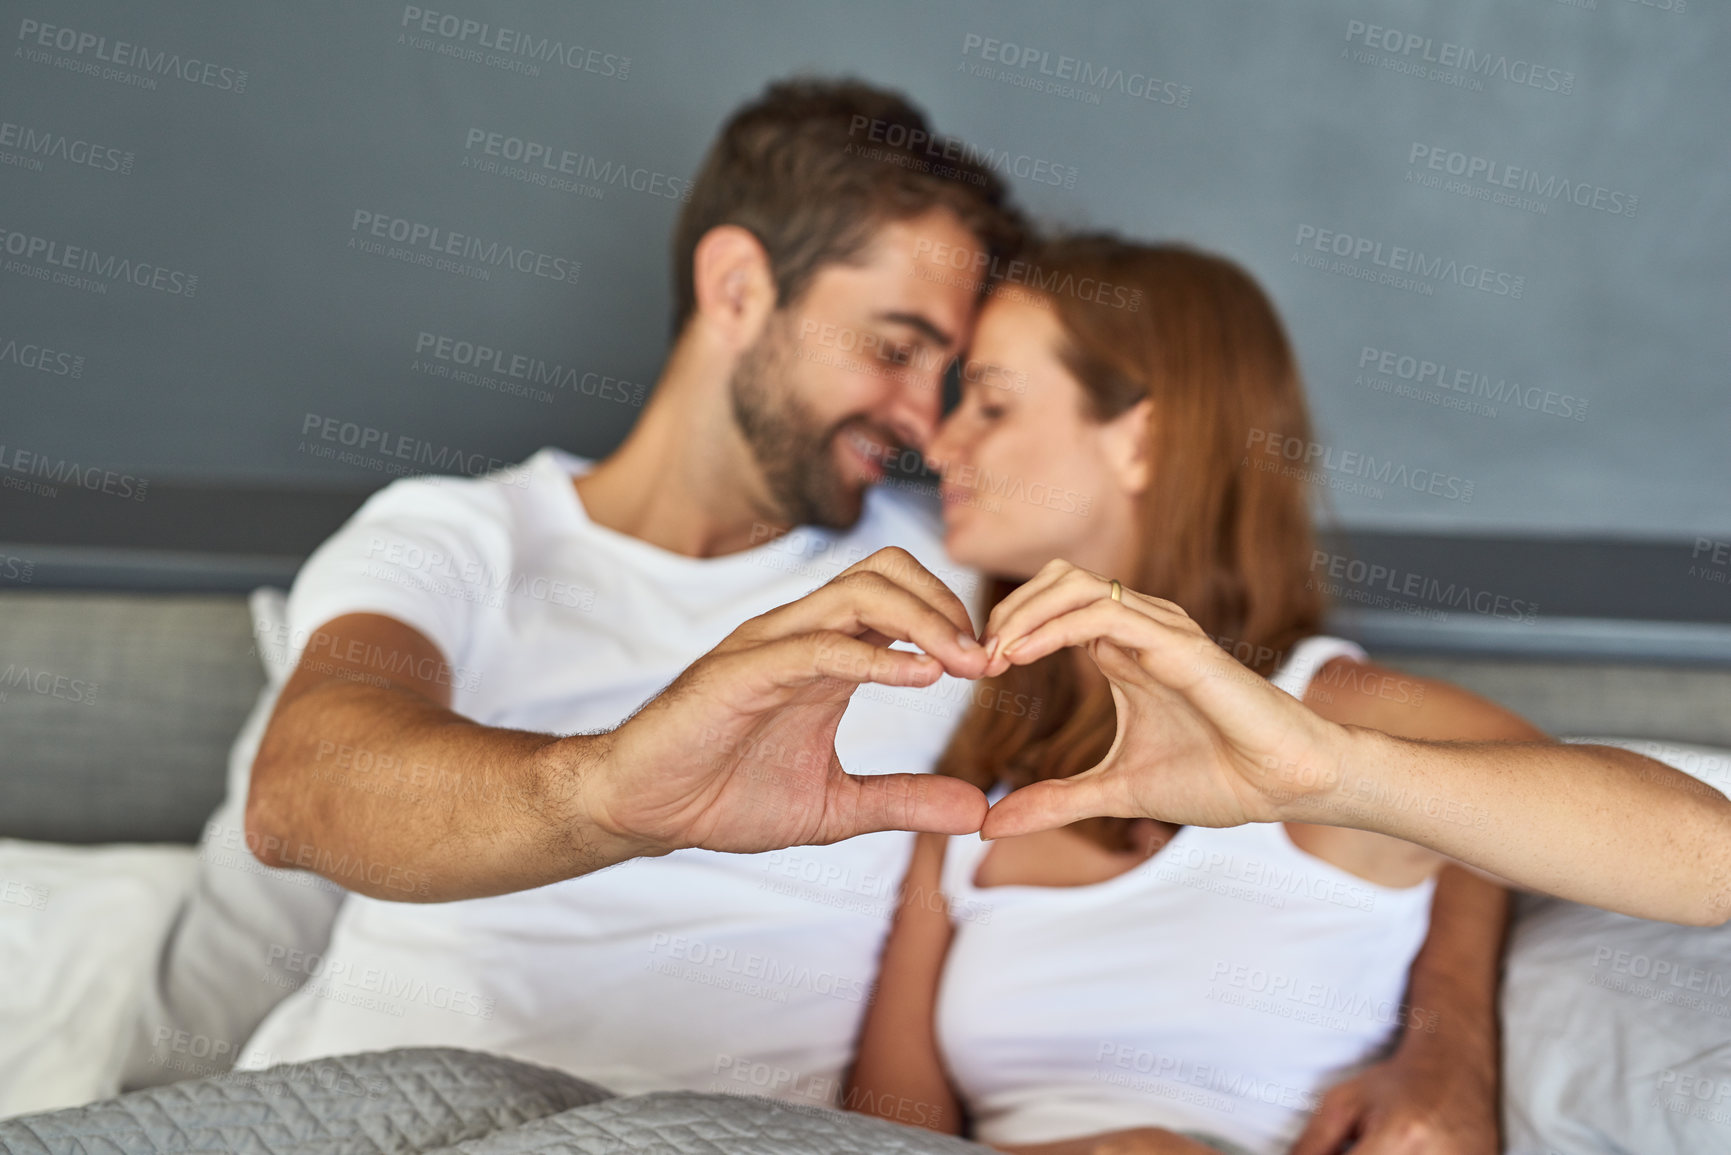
(394, 796)
(1452, 991)
(1564, 819)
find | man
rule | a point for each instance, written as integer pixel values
(456, 628)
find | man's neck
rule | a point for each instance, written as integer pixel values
(684, 479)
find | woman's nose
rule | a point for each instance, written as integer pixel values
(942, 448)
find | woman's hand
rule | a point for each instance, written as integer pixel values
(1201, 740)
(1204, 742)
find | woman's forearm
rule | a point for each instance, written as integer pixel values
(897, 1072)
(1589, 823)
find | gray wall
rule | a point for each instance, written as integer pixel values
(1271, 126)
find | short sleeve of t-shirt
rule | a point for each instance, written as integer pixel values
(418, 551)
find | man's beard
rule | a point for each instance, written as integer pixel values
(795, 454)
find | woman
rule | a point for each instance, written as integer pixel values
(1128, 984)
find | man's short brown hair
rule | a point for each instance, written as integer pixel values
(813, 168)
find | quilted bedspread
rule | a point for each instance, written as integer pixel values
(428, 1100)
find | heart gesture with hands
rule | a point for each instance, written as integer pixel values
(1201, 741)
(738, 754)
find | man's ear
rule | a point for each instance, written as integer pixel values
(1127, 441)
(734, 285)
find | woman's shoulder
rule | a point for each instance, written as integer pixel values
(1354, 692)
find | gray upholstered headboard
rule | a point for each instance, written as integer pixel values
(117, 710)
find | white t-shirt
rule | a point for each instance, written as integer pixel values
(698, 970)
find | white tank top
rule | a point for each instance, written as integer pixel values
(1218, 988)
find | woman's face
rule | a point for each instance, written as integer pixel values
(1027, 475)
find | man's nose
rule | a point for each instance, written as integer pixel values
(919, 407)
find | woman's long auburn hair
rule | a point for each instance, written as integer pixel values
(1228, 541)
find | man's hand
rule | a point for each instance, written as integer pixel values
(1415, 1103)
(1201, 740)
(1437, 1095)
(738, 754)
(1135, 1141)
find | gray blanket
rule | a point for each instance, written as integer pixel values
(437, 1100)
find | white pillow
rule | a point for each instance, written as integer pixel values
(1617, 1030)
(80, 927)
(215, 982)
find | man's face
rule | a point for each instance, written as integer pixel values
(853, 372)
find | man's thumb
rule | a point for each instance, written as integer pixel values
(923, 802)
